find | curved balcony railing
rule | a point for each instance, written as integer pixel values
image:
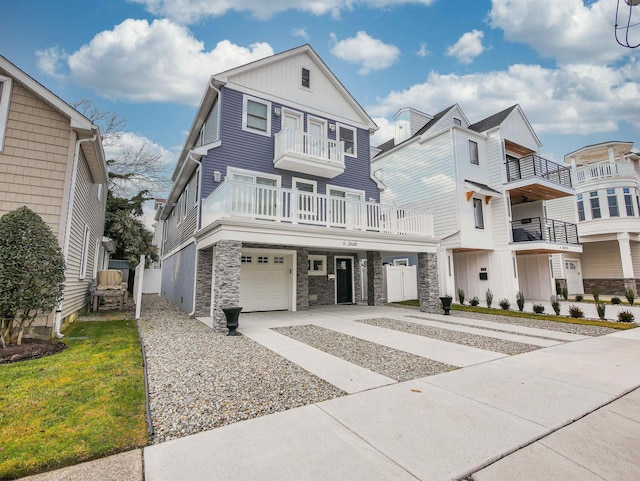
(603, 170)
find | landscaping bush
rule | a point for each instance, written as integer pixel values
(575, 312)
(475, 301)
(488, 296)
(630, 295)
(505, 304)
(596, 295)
(601, 307)
(616, 300)
(461, 296)
(538, 308)
(520, 300)
(579, 297)
(555, 304)
(626, 316)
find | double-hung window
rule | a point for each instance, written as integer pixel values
(581, 216)
(256, 116)
(347, 135)
(306, 78)
(473, 152)
(5, 94)
(612, 199)
(478, 214)
(595, 205)
(628, 201)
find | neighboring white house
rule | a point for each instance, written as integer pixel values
(486, 186)
(607, 209)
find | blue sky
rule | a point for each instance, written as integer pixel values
(149, 60)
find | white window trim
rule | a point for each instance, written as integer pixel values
(325, 124)
(99, 193)
(4, 107)
(477, 149)
(355, 138)
(302, 86)
(323, 271)
(296, 113)
(305, 181)
(254, 173)
(179, 207)
(95, 259)
(475, 220)
(347, 190)
(401, 262)
(245, 127)
(84, 258)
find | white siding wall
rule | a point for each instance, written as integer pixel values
(564, 209)
(535, 276)
(601, 260)
(499, 268)
(499, 204)
(516, 129)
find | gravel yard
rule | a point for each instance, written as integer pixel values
(389, 362)
(473, 340)
(199, 379)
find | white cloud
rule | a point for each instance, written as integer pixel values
(369, 52)
(570, 31)
(575, 99)
(423, 51)
(131, 142)
(384, 133)
(161, 61)
(300, 32)
(468, 47)
(189, 11)
(49, 60)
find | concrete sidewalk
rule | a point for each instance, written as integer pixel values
(447, 426)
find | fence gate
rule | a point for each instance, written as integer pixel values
(401, 283)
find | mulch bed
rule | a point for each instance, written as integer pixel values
(30, 349)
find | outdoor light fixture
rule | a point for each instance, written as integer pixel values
(332, 127)
(276, 110)
(217, 176)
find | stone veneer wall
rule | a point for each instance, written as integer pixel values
(302, 279)
(613, 287)
(321, 286)
(428, 286)
(227, 281)
(375, 286)
(204, 277)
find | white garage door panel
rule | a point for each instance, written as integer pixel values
(265, 286)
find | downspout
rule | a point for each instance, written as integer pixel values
(195, 277)
(67, 233)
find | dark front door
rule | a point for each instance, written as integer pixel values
(344, 280)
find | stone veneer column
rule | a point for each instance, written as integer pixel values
(375, 287)
(204, 277)
(226, 281)
(302, 281)
(357, 279)
(428, 288)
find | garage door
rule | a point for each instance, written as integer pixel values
(265, 282)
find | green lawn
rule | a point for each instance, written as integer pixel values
(530, 315)
(84, 403)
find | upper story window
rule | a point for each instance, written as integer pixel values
(581, 215)
(256, 116)
(348, 136)
(306, 78)
(473, 152)
(5, 94)
(457, 121)
(612, 199)
(628, 201)
(595, 205)
(478, 214)
(210, 131)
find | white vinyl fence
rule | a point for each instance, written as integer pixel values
(401, 283)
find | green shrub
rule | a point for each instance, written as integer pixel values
(616, 300)
(555, 304)
(630, 295)
(461, 296)
(626, 316)
(475, 301)
(488, 296)
(601, 307)
(579, 297)
(575, 312)
(505, 305)
(596, 295)
(520, 301)
(538, 308)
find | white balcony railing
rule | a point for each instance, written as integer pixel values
(261, 202)
(603, 170)
(302, 152)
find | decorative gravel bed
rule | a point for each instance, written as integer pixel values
(199, 379)
(466, 339)
(389, 362)
(539, 323)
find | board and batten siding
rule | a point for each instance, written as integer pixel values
(87, 210)
(36, 158)
(601, 260)
(500, 226)
(422, 176)
(251, 151)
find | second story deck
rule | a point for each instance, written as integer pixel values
(532, 178)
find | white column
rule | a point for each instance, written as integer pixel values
(611, 154)
(625, 255)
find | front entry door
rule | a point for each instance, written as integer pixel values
(344, 280)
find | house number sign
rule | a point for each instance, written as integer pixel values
(350, 243)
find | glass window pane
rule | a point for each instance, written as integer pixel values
(256, 108)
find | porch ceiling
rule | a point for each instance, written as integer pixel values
(534, 192)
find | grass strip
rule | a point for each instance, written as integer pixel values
(84, 403)
(621, 326)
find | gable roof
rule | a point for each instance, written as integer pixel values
(493, 120)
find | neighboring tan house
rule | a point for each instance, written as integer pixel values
(273, 205)
(486, 186)
(52, 161)
(606, 207)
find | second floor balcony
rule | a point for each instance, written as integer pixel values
(262, 203)
(543, 230)
(603, 170)
(531, 178)
(308, 154)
